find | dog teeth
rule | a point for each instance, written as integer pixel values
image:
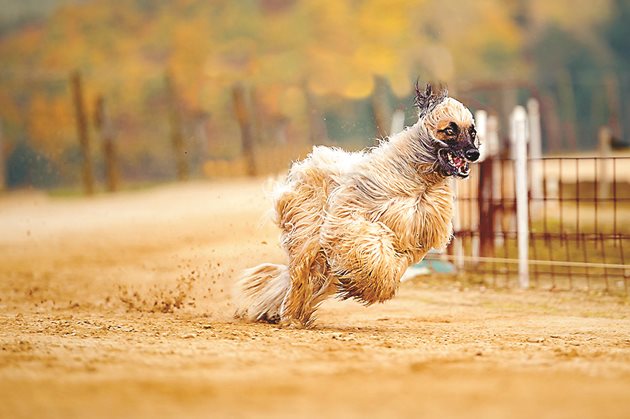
(460, 164)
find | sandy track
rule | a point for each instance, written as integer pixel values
(119, 307)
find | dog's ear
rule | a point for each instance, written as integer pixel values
(427, 99)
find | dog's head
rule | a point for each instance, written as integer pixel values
(451, 128)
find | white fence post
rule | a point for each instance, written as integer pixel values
(481, 124)
(518, 122)
(458, 248)
(398, 122)
(492, 149)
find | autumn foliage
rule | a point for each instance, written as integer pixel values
(294, 58)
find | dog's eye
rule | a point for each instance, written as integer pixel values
(449, 131)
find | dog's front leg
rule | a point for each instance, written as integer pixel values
(363, 256)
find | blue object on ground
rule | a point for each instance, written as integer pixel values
(438, 266)
(429, 266)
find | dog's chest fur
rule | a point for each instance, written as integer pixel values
(422, 221)
(419, 215)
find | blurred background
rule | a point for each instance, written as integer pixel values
(120, 305)
(152, 91)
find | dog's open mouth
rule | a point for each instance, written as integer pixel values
(453, 163)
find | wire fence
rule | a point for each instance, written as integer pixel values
(578, 225)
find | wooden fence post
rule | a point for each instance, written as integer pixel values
(103, 124)
(177, 138)
(83, 133)
(244, 120)
(549, 108)
(380, 107)
(518, 120)
(611, 85)
(535, 153)
(567, 106)
(258, 120)
(605, 139)
(3, 169)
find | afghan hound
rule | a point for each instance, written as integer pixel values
(351, 223)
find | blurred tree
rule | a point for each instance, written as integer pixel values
(295, 53)
(617, 33)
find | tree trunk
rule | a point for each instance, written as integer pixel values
(380, 106)
(3, 169)
(104, 126)
(177, 138)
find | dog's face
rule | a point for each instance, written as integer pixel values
(451, 126)
(461, 146)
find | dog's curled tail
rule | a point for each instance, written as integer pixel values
(260, 292)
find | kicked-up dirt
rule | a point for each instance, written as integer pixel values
(119, 306)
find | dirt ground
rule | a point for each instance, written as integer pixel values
(119, 306)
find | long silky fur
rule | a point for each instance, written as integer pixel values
(351, 223)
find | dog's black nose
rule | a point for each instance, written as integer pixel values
(472, 154)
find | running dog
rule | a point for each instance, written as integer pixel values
(352, 223)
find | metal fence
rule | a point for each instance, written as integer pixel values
(578, 224)
(559, 223)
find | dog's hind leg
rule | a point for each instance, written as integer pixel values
(261, 291)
